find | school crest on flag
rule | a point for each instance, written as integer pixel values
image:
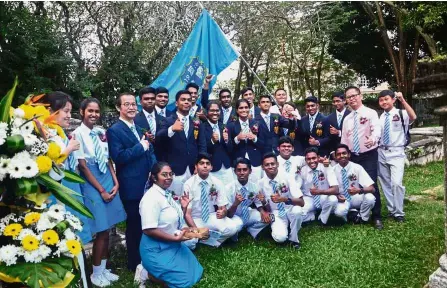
(194, 72)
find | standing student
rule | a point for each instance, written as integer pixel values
(285, 201)
(241, 195)
(197, 109)
(163, 253)
(249, 95)
(354, 184)
(335, 120)
(271, 125)
(295, 134)
(246, 143)
(395, 124)
(361, 133)
(218, 143)
(227, 113)
(100, 187)
(281, 99)
(320, 188)
(208, 192)
(149, 120)
(161, 101)
(181, 139)
(313, 127)
(133, 156)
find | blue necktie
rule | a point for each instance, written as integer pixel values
(339, 120)
(216, 130)
(315, 181)
(204, 201)
(344, 178)
(150, 121)
(288, 165)
(245, 212)
(245, 128)
(176, 206)
(134, 131)
(162, 112)
(311, 122)
(99, 153)
(267, 121)
(226, 112)
(285, 131)
(356, 134)
(386, 132)
(281, 207)
(185, 121)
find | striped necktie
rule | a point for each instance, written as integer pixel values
(150, 121)
(281, 207)
(386, 132)
(339, 120)
(134, 131)
(288, 165)
(162, 112)
(204, 201)
(285, 131)
(245, 212)
(176, 206)
(344, 178)
(355, 140)
(216, 130)
(185, 121)
(99, 153)
(311, 122)
(267, 121)
(226, 115)
(315, 181)
(71, 161)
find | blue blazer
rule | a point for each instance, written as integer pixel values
(296, 135)
(141, 121)
(307, 131)
(133, 164)
(232, 115)
(269, 137)
(180, 152)
(221, 151)
(334, 140)
(254, 150)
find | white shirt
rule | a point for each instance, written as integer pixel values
(292, 190)
(227, 113)
(297, 162)
(235, 187)
(158, 109)
(340, 116)
(194, 188)
(156, 212)
(326, 178)
(154, 121)
(193, 110)
(356, 176)
(87, 148)
(397, 134)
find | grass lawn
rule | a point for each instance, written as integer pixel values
(402, 255)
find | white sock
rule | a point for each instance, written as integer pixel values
(97, 270)
(103, 263)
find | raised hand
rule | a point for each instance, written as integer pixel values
(177, 126)
(184, 200)
(333, 130)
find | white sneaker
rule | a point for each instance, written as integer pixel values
(99, 280)
(141, 276)
(107, 273)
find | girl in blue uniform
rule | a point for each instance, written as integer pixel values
(100, 188)
(162, 252)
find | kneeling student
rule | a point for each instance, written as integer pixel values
(241, 194)
(283, 199)
(207, 192)
(321, 189)
(354, 184)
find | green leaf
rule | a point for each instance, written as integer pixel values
(24, 186)
(48, 272)
(73, 177)
(6, 102)
(63, 194)
(15, 143)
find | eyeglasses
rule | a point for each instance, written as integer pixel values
(127, 105)
(168, 174)
(213, 111)
(352, 96)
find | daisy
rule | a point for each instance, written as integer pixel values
(8, 255)
(3, 132)
(56, 212)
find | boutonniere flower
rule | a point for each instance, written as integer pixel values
(224, 128)
(102, 136)
(251, 195)
(282, 188)
(276, 124)
(319, 127)
(298, 170)
(174, 196)
(396, 117)
(321, 176)
(363, 120)
(233, 118)
(255, 129)
(213, 191)
(196, 122)
(352, 177)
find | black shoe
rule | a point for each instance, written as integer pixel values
(390, 215)
(399, 219)
(359, 220)
(352, 216)
(378, 224)
(295, 245)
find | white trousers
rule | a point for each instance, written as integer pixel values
(226, 226)
(364, 202)
(178, 181)
(294, 218)
(329, 205)
(254, 224)
(256, 174)
(224, 174)
(390, 175)
(308, 209)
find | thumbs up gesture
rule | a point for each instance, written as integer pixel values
(333, 130)
(369, 142)
(313, 142)
(144, 142)
(73, 144)
(178, 126)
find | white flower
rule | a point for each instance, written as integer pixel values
(8, 254)
(22, 166)
(63, 249)
(24, 232)
(17, 122)
(44, 251)
(3, 132)
(69, 235)
(29, 139)
(74, 221)
(32, 256)
(18, 112)
(56, 212)
(44, 222)
(27, 128)
(4, 167)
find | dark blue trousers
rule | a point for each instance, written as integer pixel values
(368, 160)
(133, 233)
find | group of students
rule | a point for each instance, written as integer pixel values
(279, 170)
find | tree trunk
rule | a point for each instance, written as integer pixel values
(319, 68)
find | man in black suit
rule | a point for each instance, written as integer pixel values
(161, 101)
(335, 120)
(196, 108)
(227, 113)
(249, 95)
(313, 127)
(149, 120)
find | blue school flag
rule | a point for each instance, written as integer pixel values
(206, 51)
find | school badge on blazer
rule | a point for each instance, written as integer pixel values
(276, 124)
(319, 128)
(196, 122)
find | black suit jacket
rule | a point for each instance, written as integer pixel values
(319, 131)
(268, 135)
(331, 120)
(141, 121)
(220, 151)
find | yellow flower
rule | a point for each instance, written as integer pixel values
(54, 151)
(42, 112)
(30, 243)
(44, 163)
(74, 247)
(13, 230)
(32, 218)
(50, 237)
(29, 111)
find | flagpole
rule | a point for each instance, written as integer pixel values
(248, 66)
